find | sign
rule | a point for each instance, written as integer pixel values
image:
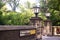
(27, 32)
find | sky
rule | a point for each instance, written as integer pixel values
(31, 1)
(22, 2)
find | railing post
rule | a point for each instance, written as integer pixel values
(48, 26)
(36, 22)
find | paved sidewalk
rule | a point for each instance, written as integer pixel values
(50, 38)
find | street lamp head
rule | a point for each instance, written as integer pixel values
(36, 10)
(47, 14)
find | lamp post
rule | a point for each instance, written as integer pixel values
(37, 22)
(48, 24)
(36, 10)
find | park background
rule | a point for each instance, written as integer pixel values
(24, 13)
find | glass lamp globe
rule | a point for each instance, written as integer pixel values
(47, 14)
(36, 9)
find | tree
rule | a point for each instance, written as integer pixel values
(54, 6)
(15, 18)
(54, 9)
(1, 4)
(28, 4)
(1, 16)
(13, 4)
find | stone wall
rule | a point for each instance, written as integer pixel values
(13, 33)
(56, 30)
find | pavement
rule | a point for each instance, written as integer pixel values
(50, 38)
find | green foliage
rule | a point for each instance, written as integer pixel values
(54, 6)
(1, 4)
(55, 17)
(1, 18)
(14, 18)
(41, 15)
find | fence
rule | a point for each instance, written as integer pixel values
(56, 30)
